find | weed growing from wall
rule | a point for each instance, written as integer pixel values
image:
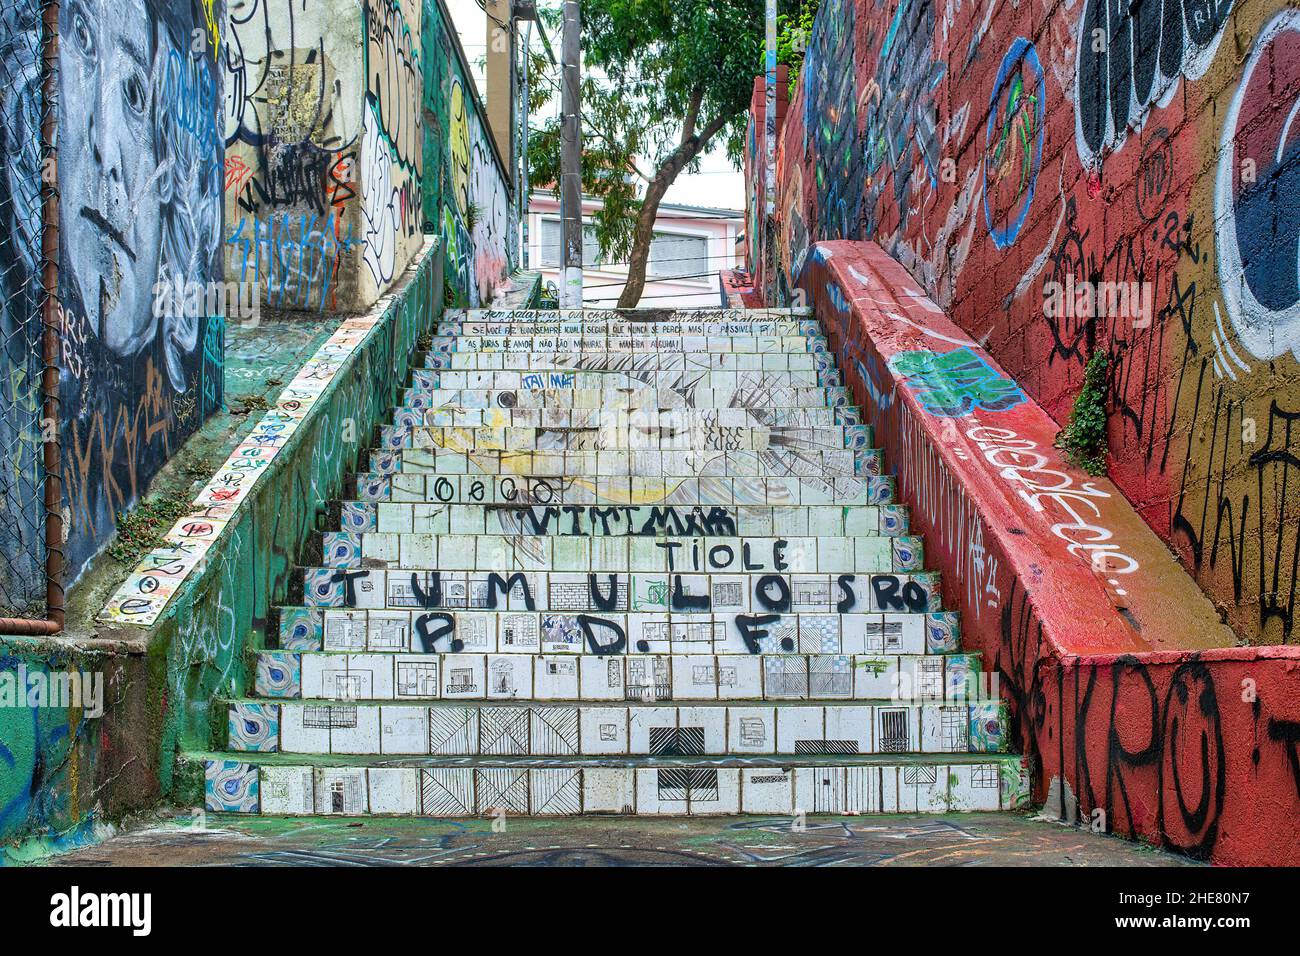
(1084, 439)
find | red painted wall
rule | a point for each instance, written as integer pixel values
(1113, 661)
(994, 148)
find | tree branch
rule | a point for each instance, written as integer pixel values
(692, 114)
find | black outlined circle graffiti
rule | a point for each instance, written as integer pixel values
(1258, 243)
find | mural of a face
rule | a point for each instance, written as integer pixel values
(109, 167)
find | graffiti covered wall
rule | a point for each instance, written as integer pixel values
(1134, 712)
(324, 149)
(139, 175)
(22, 541)
(995, 151)
(467, 195)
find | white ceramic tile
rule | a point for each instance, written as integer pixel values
(394, 790)
(290, 791)
(608, 790)
(404, 730)
(604, 730)
(767, 790)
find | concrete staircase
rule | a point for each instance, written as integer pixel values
(600, 562)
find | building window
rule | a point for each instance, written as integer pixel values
(674, 256)
(550, 255)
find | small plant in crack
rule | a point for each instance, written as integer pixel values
(1083, 439)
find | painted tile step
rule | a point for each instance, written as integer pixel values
(409, 431)
(425, 393)
(645, 464)
(604, 341)
(755, 556)
(564, 592)
(599, 326)
(293, 784)
(627, 362)
(693, 379)
(644, 315)
(631, 520)
(520, 630)
(375, 675)
(532, 728)
(638, 592)
(524, 489)
(680, 417)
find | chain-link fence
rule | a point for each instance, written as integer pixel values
(30, 528)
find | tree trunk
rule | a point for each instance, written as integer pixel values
(645, 221)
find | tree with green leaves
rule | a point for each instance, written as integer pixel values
(663, 79)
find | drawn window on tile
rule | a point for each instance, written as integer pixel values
(956, 729)
(387, 635)
(702, 674)
(454, 594)
(519, 630)
(728, 675)
(461, 680)
(326, 718)
(893, 731)
(614, 672)
(609, 732)
(930, 677)
(345, 795)
(727, 594)
(501, 677)
(753, 732)
(648, 679)
(349, 685)
(348, 633)
(984, 777)
(417, 679)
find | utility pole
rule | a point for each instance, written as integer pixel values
(769, 113)
(525, 201)
(570, 164)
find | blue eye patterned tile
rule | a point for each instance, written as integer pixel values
(880, 490)
(406, 418)
(341, 549)
(931, 582)
(255, 728)
(894, 519)
(279, 674)
(301, 629)
(374, 487)
(230, 787)
(360, 516)
(385, 463)
(963, 677)
(942, 635)
(907, 553)
(987, 726)
(867, 462)
(322, 587)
